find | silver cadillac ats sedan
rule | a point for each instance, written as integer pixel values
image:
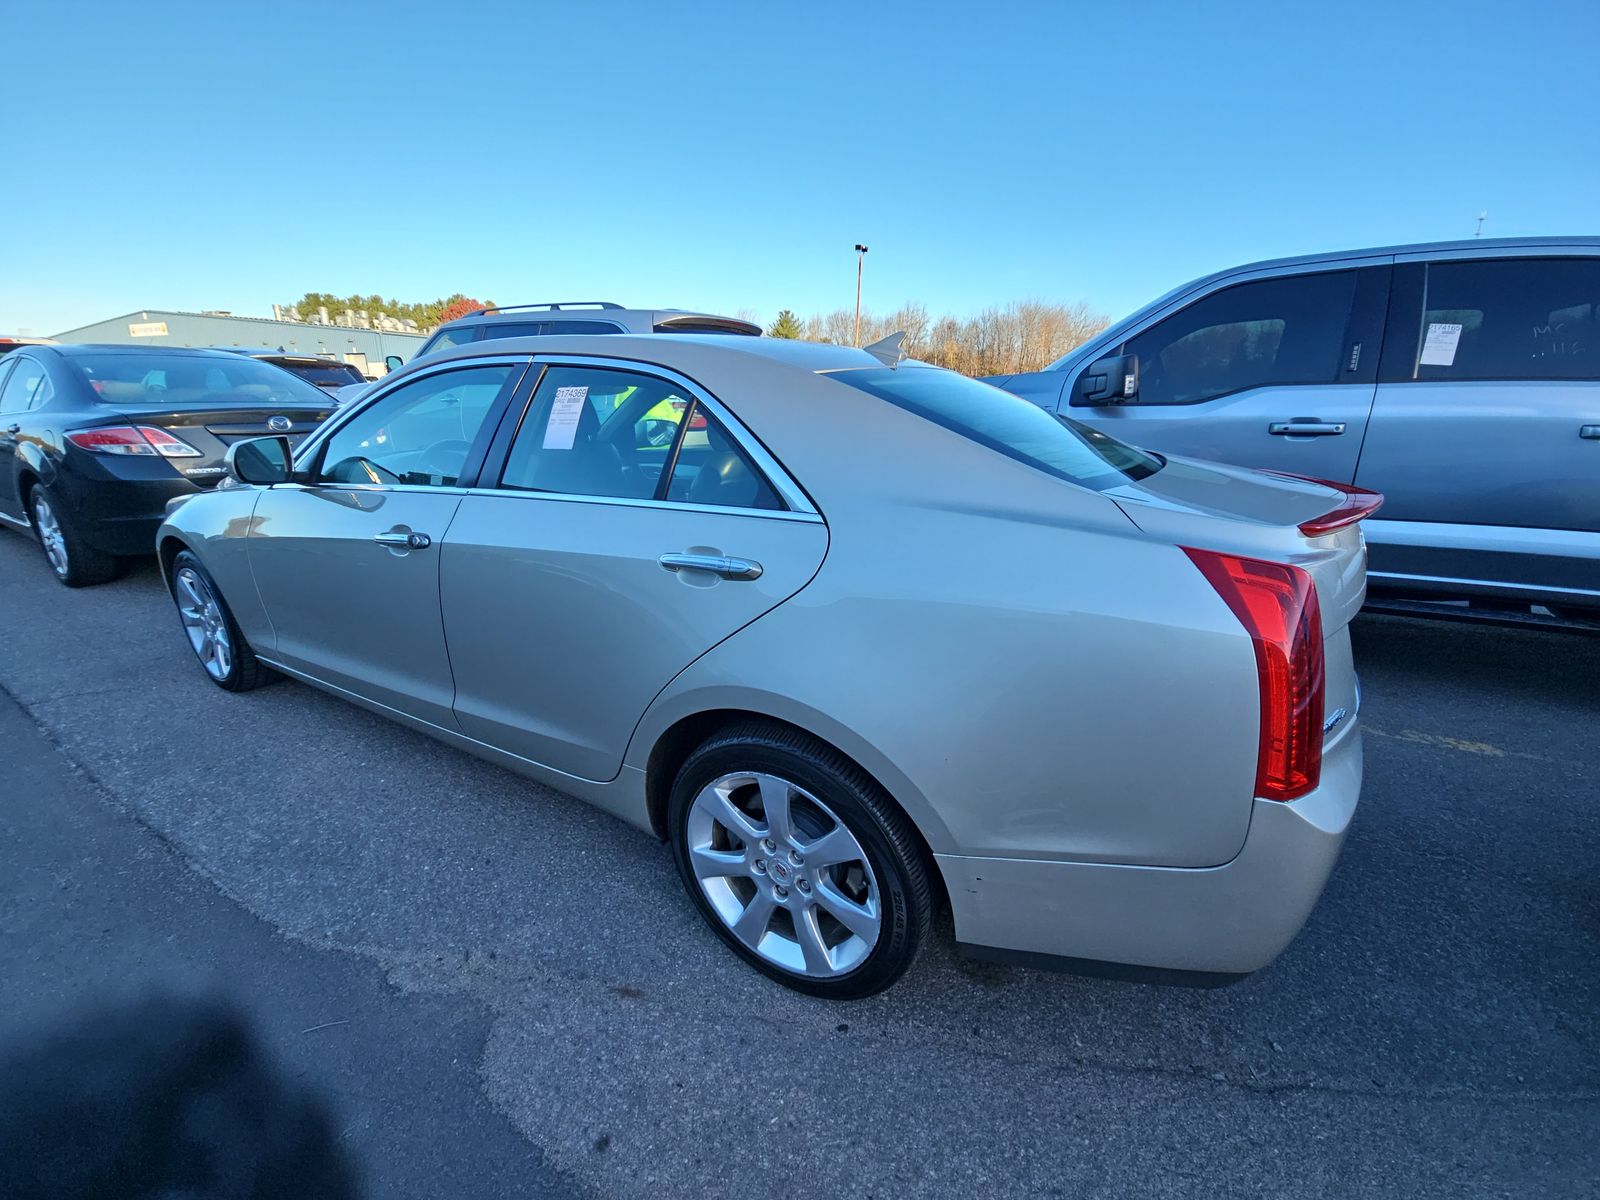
(858, 637)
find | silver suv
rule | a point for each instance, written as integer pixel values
(1460, 379)
(577, 316)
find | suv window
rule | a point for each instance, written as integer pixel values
(1005, 423)
(593, 431)
(420, 433)
(1507, 318)
(455, 335)
(1273, 331)
(18, 393)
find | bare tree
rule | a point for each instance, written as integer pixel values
(1025, 335)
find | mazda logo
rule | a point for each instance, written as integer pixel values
(279, 424)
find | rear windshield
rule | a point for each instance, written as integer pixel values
(1055, 445)
(337, 374)
(156, 381)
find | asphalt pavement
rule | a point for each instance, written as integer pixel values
(502, 992)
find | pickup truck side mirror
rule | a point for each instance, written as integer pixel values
(392, 362)
(263, 460)
(1113, 380)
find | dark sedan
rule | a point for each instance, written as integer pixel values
(329, 374)
(94, 440)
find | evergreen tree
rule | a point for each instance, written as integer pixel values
(786, 326)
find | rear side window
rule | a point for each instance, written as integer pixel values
(593, 431)
(1006, 423)
(1507, 319)
(26, 379)
(1274, 331)
(571, 326)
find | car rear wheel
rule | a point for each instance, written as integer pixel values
(212, 632)
(800, 862)
(75, 563)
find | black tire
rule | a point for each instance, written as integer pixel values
(882, 830)
(244, 670)
(72, 560)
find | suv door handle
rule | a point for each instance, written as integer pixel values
(717, 564)
(1302, 427)
(1592, 432)
(396, 540)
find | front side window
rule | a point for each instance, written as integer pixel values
(26, 376)
(593, 431)
(421, 433)
(1005, 423)
(1275, 331)
(1508, 318)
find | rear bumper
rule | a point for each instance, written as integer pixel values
(122, 516)
(1218, 921)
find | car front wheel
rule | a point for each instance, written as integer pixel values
(800, 862)
(212, 632)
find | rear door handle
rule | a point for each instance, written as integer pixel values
(397, 540)
(717, 564)
(1592, 432)
(18, 429)
(1306, 428)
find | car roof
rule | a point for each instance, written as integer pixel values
(1374, 255)
(677, 352)
(600, 311)
(1490, 245)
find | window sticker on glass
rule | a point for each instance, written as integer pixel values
(562, 429)
(1439, 347)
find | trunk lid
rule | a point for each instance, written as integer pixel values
(211, 428)
(1239, 511)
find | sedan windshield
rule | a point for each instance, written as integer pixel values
(1003, 422)
(158, 381)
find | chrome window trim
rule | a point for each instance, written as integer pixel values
(341, 417)
(330, 486)
(782, 482)
(810, 518)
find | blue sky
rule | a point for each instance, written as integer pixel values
(728, 156)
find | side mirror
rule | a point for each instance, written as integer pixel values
(262, 460)
(392, 362)
(1113, 380)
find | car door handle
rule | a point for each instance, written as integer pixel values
(398, 540)
(18, 429)
(717, 564)
(1304, 428)
(1592, 432)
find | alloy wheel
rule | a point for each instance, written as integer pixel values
(204, 622)
(784, 874)
(50, 536)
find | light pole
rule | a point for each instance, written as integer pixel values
(861, 254)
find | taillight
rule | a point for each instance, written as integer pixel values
(131, 439)
(1359, 503)
(1277, 605)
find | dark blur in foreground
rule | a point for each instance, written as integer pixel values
(162, 1097)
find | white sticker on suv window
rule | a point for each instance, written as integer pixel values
(1439, 347)
(562, 429)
